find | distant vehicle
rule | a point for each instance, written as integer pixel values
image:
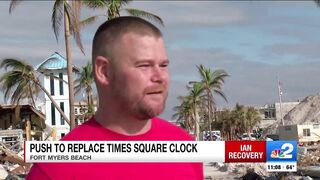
(251, 136)
(274, 137)
(216, 135)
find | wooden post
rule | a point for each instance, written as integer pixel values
(54, 134)
(28, 129)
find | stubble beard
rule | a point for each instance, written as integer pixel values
(145, 110)
(138, 107)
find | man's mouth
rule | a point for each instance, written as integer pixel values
(154, 92)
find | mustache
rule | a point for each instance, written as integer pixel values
(155, 89)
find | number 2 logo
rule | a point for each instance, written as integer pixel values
(288, 148)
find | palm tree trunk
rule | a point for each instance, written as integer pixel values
(69, 69)
(32, 99)
(197, 128)
(52, 100)
(90, 101)
(209, 114)
(17, 114)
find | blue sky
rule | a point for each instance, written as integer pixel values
(255, 42)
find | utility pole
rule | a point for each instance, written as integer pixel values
(280, 100)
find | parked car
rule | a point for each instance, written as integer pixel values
(251, 136)
(273, 137)
(216, 135)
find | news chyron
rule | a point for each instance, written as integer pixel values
(281, 156)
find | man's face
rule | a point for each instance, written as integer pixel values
(139, 75)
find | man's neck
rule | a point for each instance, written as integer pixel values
(122, 124)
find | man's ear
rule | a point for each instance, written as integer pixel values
(102, 70)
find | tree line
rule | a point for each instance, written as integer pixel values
(197, 111)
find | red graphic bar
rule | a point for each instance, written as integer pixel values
(245, 151)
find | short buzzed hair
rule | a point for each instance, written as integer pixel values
(112, 30)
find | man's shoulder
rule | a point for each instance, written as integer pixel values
(172, 130)
(84, 131)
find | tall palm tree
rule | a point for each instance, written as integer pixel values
(211, 82)
(194, 98)
(20, 80)
(69, 12)
(85, 81)
(113, 10)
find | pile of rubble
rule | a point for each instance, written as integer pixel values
(239, 170)
(12, 165)
(12, 162)
(307, 111)
(309, 161)
(309, 156)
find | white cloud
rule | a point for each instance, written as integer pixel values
(193, 12)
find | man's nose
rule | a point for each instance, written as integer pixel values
(158, 74)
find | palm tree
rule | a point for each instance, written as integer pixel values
(225, 123)
(20, 81)
(14, 84)
(69, 11)
(239, 116)
(113, 10)
(194, 99)
(84, 81)
(211, 82)
(253, 118)
(184, 114)
(188, 111)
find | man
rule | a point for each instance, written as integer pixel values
(130, 68)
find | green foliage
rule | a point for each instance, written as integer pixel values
(84, 82)
(113, 8)
(71, 11)
(233, 123)
(198, 106)
(17, 82)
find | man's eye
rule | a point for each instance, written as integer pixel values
(164, 65)
(144, 65)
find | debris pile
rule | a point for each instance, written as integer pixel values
(244, 170)
(309, 161)
(12, 162)
(310, 156)
(307, 111)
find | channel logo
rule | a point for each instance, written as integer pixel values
(279, 151)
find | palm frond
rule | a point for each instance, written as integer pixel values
(15, 86)
(84, 81)
(123, 2)
(94, 4)
(72, 13)
(221, 94)
(13, 5)
(57, 17)
(88, 21)
(15, 64)
(145, 14)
